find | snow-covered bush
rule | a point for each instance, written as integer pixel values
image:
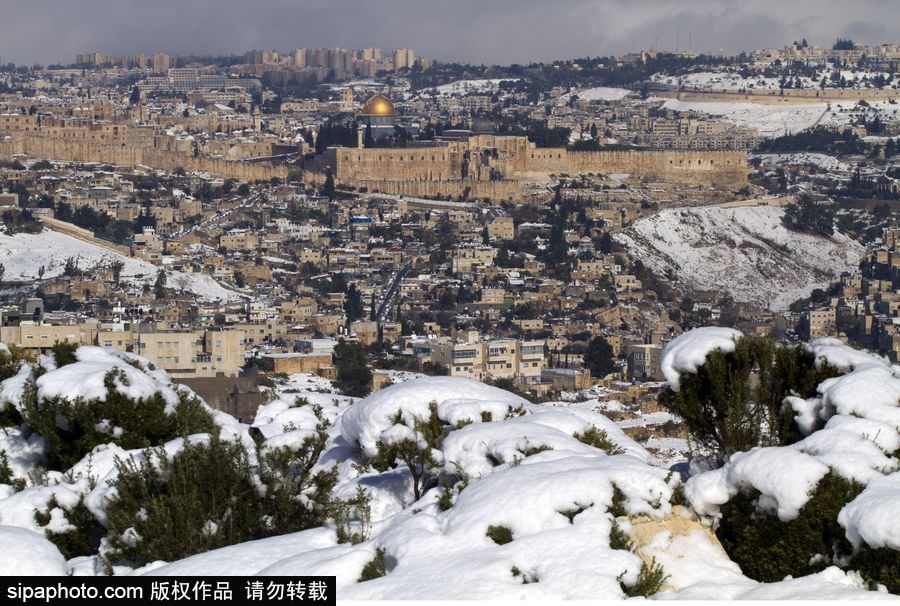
(767, 548)
(103, 396)
(414, 443)
(210, 495)
(730, 389)
(803, 434)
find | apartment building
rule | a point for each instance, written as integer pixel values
(521, 361)
(192, 353)
(644, 361)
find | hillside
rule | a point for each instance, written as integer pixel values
(745, 252)
(24, 254)
(518, 500)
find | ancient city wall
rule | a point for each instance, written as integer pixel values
(790, 96)
(74, 150)
(424, 163)
(717, 168)
(470, 190)
(431, 164)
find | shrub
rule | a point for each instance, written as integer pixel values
(82, 539)
(418, 459)
(599, 439)
(878, 566)
(6, 473)
(768, 549)
(72, 429)
(353, 518)
(734, 400)
(206, 496)
(619, 539)
(374, 569)
(64, 353)
(526, 577)
(501, 535)
(650, 581)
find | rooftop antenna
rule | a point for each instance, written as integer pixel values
(677, 38)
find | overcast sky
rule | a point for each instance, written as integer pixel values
(476, 31)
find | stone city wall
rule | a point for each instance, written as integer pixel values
(119, 153)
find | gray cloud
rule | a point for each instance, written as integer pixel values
(477, 31)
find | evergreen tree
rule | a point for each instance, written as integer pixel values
(328, 188)
(599, 357)
(606, 243)
(735, 401)
(368, 140)
(159, 288)
(353, 305)
(353, 375)
(808, 215)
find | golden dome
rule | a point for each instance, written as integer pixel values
(378, 105)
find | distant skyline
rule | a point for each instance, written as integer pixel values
(471, 31)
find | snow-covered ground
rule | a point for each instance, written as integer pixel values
(24, 254)
(820, 161)
(599, 93)
(721, 81)
(733, 82)
(469, 87)
(770, 120)
(745, 252)
(509, 463)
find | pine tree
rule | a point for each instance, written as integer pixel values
(328, 189)
(353, 375)
(353, 305)
(735, 401)
(599, 357)
(159, 288)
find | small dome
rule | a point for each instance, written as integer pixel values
(378, 105)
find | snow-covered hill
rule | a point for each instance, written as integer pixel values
(745, 252)
(522, 502)
(24, 254)
(770, 120)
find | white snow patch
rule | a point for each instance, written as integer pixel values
(687, 352)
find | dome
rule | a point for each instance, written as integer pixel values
(380, 106)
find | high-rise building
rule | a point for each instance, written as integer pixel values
(162, 63)
(299, 57)
(404, 58)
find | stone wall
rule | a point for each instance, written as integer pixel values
(121, 153)
(469, 190)
(791, 95)
(496, 164)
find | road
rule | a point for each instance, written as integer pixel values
(391, 293)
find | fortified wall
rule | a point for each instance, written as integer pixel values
(127, 148)
(506, 162)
